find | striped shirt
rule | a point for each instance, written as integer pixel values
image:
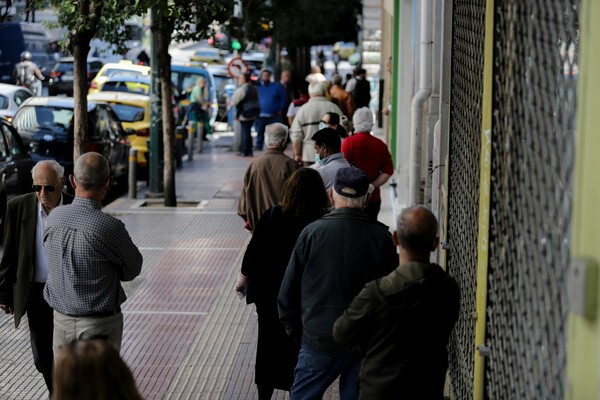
(89, 253)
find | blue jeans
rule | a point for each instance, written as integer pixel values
(316, 371)
(261, 123)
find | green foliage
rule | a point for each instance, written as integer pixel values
(182, 17)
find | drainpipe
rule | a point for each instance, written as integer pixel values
(418, 103)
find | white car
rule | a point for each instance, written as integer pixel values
(11, 97)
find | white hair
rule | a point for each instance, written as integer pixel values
(362, 120)
(59, 169)
(349, 202)
(276, 134)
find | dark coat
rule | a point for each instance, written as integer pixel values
(18, 258)
(401, 323)
(264, 263)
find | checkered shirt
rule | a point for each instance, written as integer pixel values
(89, 253)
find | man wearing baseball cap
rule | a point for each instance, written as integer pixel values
(332, 260)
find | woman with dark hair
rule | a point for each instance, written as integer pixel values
(92, 369)
(303, 201)
(332, 120)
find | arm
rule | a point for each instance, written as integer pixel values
(296, 135)
(289, 299)
(238, 95)
(8, 264)
(128, 253)
(352, 327)
(243, 204)
(381, 179)
(37, 72)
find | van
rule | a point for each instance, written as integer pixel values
(184, 78)
(15, 38)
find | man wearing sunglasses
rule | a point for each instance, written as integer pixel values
(24, 268)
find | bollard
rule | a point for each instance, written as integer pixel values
(200, 132)
(190, 143)
(132, 173)
(179, 132)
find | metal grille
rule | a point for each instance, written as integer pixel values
(535, 76)
(463, 197)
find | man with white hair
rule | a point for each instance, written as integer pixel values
(306, 123)
(264, 179)
(370, 154)
(24, 268)
(333, 258)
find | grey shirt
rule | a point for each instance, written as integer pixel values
(330, 166)
(89, 253)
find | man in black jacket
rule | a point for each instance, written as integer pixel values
(332, 260)
(24, 269)
(401, 323)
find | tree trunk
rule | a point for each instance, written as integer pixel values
(81, 48)
(164, 65)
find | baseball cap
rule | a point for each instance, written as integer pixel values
(351, 182)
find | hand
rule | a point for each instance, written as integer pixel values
(7, 309)
(241, 286)
(298, 158)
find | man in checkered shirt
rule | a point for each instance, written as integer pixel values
(89, 253)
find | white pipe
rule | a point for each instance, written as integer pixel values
(418, 102)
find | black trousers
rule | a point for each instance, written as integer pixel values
(41, 326)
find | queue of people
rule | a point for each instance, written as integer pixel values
(334, 298)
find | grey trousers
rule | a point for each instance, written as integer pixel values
(68, 329)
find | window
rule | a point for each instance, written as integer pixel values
(12, 141)
(128, 113)
(3, 102)
(3, 149)
(20, 96)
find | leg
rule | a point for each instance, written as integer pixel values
(40, 318)
(247, 137)
(315, 372)
(261, 123)
(64, 331)
(109, 327)
(265, 392)
(349, 379)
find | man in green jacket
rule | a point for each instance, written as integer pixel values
(401, 323)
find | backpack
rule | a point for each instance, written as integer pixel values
(362, 93)
(25, 76)
(250, 106)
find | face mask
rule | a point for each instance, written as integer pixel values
(318, 159)
(322, 125)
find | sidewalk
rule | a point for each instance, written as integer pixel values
(186, 335)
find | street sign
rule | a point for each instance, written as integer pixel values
(237, 67)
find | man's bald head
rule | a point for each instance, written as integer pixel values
(417, 229)
(91, 171)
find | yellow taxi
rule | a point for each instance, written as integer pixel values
(134, 112)
(123, 67)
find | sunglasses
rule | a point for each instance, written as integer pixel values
(49, 188)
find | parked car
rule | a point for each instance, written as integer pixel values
(208, 55)
(222, 79)
(139, 84)
(15, 167)
(183, 78)
(11, 97)
(124, 67)
(46, 125)
(134, 112)
(61, 76)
